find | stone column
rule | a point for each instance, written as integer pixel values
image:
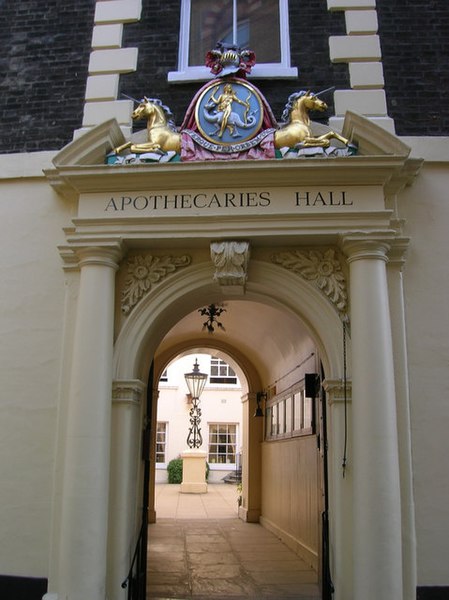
(84, 522)
(377, 553)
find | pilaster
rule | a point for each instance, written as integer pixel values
(339, 400)
(251, 460)
(397, 257)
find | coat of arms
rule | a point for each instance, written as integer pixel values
(229, 118)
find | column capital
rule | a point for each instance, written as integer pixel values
(335, 390)
(77, 256)
(249, 397)
(366, 246)
(127, 391)
(398, 252)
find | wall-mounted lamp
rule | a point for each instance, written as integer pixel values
(260, 397)
(312, 385)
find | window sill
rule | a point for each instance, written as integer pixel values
(258, 72)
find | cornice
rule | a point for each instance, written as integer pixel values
(70, 180)
(185, 231)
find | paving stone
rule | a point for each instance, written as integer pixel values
(221, 559)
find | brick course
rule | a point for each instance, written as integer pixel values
(43, 67)
(414, 39)
(156, 35)
(46, 48)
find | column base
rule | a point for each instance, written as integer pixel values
(249, 515)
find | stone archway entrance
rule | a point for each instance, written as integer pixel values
(271, 345)
(323, 243)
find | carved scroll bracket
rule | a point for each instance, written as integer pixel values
(230, 259)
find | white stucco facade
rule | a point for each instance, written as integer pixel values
(86, 338)
(39, 320)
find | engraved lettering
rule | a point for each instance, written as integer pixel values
(302, 198)
(140, 202)
(343, 202)
(111, 204)
(229, 199)
(126, 201)
(265, 199)
(196, 202)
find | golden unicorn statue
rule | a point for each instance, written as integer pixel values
(297, 128)
(162, 134)
(161, 129)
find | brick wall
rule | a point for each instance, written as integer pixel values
(43, 71)
(415, 45)
(46, 46)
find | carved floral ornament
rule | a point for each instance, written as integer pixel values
(324, 267)
(143, 272)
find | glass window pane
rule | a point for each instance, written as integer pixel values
(275, 419)
(222, 439)
(268, 422)
(288, 414)
(297, 411)
(257, 22)
(307, 413)
(210, 22)
(161, 439)
(281, 417)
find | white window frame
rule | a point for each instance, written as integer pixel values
(282, 70)
(228, 379)
(223, 466)
(165, 443)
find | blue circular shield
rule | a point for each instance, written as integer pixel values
(229, 112)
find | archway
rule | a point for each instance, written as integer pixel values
(270, 332)
(379, 533)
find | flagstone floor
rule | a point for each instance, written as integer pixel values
(199, 549)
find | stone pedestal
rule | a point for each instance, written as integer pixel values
(193, 472)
